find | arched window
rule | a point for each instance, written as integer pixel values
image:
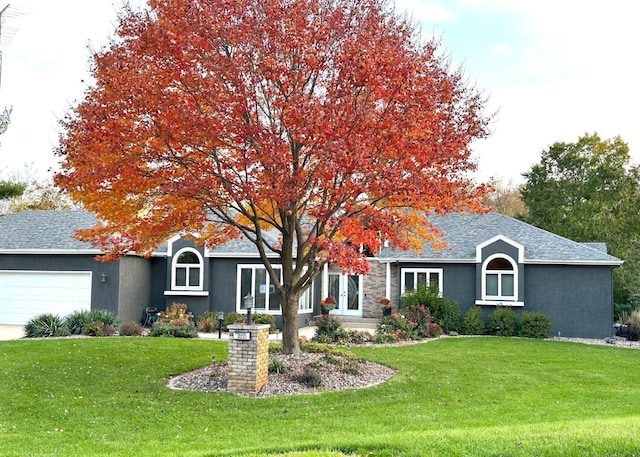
(187, 271)
(500, 279)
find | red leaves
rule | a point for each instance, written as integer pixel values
(326, 109)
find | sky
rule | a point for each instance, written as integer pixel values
(552, 70)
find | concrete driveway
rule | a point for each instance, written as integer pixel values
(11, 332)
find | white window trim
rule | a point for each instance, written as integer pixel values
(254, 266)
(428, 272)
(499, 299)
(174, 265)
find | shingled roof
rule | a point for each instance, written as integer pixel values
(464, 232)
(53, 231)
(40, 230)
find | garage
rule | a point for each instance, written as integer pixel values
(25, 294)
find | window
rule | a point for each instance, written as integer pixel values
(410, 278)
(499, 279)
(254, 280)
(187, 271)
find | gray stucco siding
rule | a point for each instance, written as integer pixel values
(224, 282)
(576, 298)
(104, 295)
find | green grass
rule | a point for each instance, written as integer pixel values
(451, 397)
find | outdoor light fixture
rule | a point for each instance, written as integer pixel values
(247, 303)
(220, 321)
(103, 277)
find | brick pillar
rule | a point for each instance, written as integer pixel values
(248, 357)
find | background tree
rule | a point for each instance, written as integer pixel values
(589, 191)
(310, 127)
(505, 198)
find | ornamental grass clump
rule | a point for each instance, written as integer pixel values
(45, 325)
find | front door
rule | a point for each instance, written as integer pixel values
(347, 291)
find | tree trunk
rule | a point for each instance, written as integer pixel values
(290, 338)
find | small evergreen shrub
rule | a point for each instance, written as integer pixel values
(233, 318)
(310, 377)
(535, 325)
(384, 338)
(445, 312)
(473, 323)
(161, 330)
(503, 322)
(328, 328)
(185, 331)
(130, 329)
(262, 318)
(43, 326)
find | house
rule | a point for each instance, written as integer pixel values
(491, 260)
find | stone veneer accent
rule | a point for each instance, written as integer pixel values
(374, 288)
(248, 360)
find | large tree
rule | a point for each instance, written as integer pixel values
(328, 123)
(590, 191)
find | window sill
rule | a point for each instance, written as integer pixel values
(187, 293)
(499, 303)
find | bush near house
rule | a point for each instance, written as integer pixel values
(445, 312)
(208, 322)
(175, 321)
(534, 325)
(78, 320)
(503, 322)
(473, 323)
(262, 318)
(45, 325)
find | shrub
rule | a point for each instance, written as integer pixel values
(310, 377)
(164, 329)
(534, 325)
(398, 326)
(77, 320)
(261, 318)
(445, 312)
(131, 329)
(419, 315)
(95, 328)
(208, 322)
(435, 330)
(385, 338)
(233, 318)
(44, 325)
(277, 366)
(473, 323)
(503, 322)
(351, 336)
(328, 328)
(177, 315)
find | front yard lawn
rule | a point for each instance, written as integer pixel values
(451, 397)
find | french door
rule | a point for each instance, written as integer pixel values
(347, 291)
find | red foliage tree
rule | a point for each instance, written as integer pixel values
(326, 122)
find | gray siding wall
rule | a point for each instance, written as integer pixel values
(104, 295)
(578, 299)
(135, 288)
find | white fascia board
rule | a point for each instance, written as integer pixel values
(52, 251)
(575, 262)
(238, 255)
(424, 260)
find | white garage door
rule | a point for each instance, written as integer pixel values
(25, 294)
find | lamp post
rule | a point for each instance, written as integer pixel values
(220, 321)
(247, 303)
